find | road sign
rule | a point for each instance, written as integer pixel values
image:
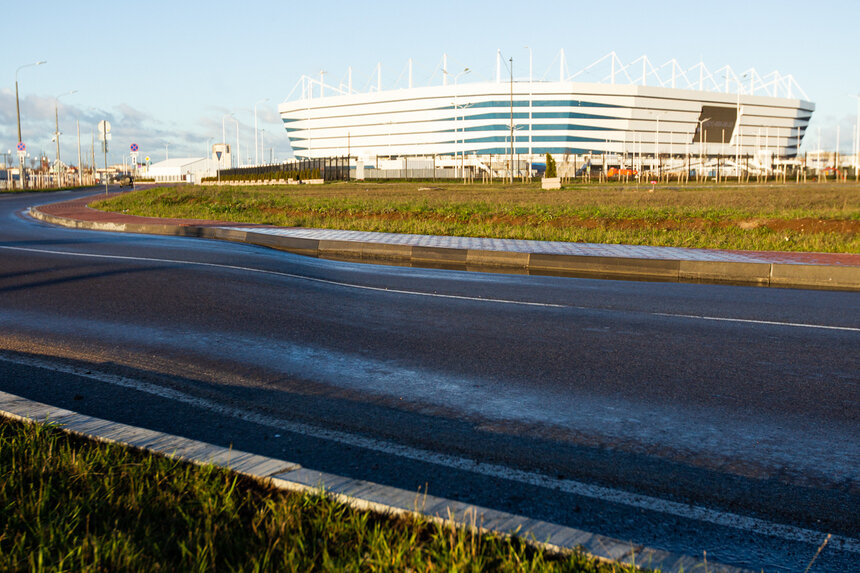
(21, 146)
(104, 130)
(134, 147)
(218, 155)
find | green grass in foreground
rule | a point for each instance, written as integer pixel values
(71, 504)
(791, 217)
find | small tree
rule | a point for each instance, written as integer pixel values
(551, 170)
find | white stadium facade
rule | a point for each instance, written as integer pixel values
(661, 115)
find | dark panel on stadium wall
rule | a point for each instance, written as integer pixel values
(720, 125)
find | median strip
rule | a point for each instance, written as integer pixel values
(744, 269)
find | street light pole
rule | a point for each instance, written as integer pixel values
(80, 165)
(256, 157)
(462, 152)
(701, 145)
(224, 136)
(512, 120)
(18, 112)
(262, 144)
(531, 97)
(57, 133)
(857, 149)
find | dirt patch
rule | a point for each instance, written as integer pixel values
(810, 225)
(845, 227)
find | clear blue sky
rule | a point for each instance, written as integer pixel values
(167, 72)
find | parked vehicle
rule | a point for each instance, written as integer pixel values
(124, 180)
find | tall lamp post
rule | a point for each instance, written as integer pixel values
(256, 156)
(262, 144)
(7, 157)
(531, 96)
(702, 144)
(512, 118)
(18, 112)
(224, 135)
(857, 145)
(456, 107)
(57, 133)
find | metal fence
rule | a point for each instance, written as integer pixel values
(329, 169)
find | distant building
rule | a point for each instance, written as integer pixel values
(182, 169)
(222, 156)
(672, 113)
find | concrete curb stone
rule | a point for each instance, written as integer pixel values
(359, 494)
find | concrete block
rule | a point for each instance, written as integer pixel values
(550, 183)
(506, 259)
(386, 252)
(308, 247)
(724, 271)
(816, 276)
(439, 255)
(224, 234)
(350, 249)
(605, 267)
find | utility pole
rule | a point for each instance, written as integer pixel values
(256, 157)
(80, 167)
(57, 133)
(512, 120)
(21, 175)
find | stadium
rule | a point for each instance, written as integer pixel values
(663, 117)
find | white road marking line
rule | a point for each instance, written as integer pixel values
(288, 275)
(753, 321)
(419, 293)
(716, 517)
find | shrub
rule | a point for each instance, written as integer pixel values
(551, 170)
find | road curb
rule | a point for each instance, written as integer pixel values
(359, 494)
(830, 277)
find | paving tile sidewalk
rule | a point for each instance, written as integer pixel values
(77, 209)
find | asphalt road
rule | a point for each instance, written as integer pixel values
(685, 417)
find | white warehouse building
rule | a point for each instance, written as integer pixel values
(663, 112)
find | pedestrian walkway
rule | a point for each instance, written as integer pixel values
(562, 248)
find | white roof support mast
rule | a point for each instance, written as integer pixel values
(697, 77)
(561, 77)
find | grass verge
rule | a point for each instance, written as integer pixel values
(814, 217)
(69, 503)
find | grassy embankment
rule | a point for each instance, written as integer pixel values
(71, 504)
(816, 217)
